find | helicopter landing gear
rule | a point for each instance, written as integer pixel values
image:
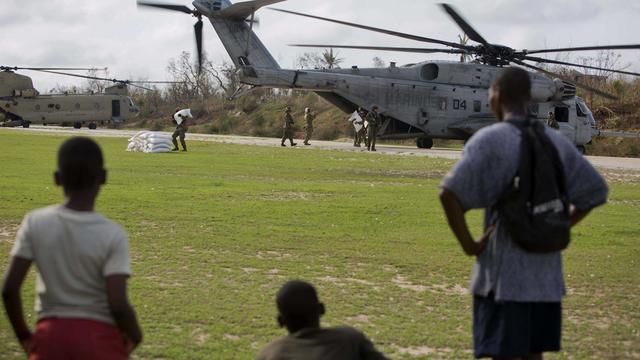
(424, 143)
(582, 149)
(25, 124)
(77, 125)
(93, 126)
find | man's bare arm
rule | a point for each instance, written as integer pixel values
(15, 276)
(458, 224)
(122, 312)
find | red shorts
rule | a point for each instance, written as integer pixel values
(72, 339)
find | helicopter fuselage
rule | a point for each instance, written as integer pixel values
(445, 100)
(21, 104)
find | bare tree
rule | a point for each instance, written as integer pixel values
(309, 60)
(225, 75)
(193, 85)
(378, 62)
(95, 85)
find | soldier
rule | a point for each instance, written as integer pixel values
(372, 131)
(552, 122)
(309, 116)
(362, 132)
(287, 127)
(181, 131)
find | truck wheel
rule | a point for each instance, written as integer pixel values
(93, 126)
(77, 125)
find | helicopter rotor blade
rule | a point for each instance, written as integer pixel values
(198, 32)
(125, 82)
(171, 7)
(464, 25)
(584, 48)
(563, 78)
(548, 61)
(379, 30)
(384, 48)
(51, 68)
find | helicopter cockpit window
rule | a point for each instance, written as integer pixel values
(562, 114)
(581, 109)
(429, 72)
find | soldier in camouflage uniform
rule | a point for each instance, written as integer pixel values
(181, 131)
(309, 116)
(372, 131)
(288, 127)
(362, 133)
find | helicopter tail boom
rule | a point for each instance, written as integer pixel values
(237, 35)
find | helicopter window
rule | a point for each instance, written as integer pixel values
(50, 106)
(429, 72)
(443, 103)
(57, 106)
(477, 105)
(580, 109)
(562, 114)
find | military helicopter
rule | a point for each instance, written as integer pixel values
(21, 104)
(427, 100)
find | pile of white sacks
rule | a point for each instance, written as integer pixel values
(150, 142)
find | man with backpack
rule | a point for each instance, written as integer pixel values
(532, 195)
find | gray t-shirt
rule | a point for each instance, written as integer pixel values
(322, 344)
(488, 164)
(74, 252)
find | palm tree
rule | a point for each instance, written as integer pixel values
(463, 40)
(331, 59)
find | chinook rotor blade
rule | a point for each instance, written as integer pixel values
(379, 30)
(464, 25)
(171, 7)
(584, 48)
(577, 84)
(547, 61)
(197, 28)
(383, 48)
(51, 68)
(126, 82)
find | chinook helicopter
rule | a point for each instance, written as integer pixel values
(21, 104)
(426, 101)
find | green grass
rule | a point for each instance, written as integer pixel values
(215, 232)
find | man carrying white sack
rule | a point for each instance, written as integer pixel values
(180, 118)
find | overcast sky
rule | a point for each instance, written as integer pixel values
(138, 43)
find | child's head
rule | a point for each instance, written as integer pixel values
(298, 306)
(80, 165)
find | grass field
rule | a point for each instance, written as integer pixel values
(214, 233)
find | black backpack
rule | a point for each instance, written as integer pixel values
(534, 208)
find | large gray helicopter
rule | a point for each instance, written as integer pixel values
(428, 100)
